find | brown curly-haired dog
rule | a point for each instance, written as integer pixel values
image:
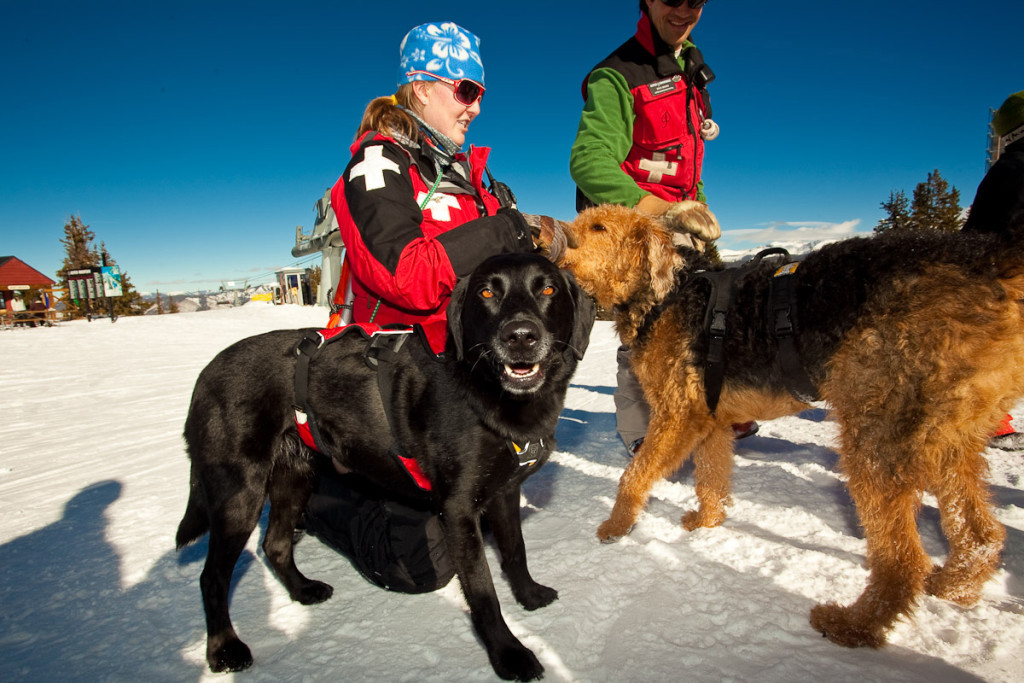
(915, 341)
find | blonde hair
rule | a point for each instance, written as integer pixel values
(389, 115)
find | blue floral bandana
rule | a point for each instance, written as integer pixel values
(445, 49)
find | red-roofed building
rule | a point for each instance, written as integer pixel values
(16, 275)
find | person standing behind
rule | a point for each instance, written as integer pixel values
(1000, 194)
(640, 143)
(999, 204)
(17, 309)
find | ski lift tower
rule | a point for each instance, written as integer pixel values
(994, 146)
(327, 240)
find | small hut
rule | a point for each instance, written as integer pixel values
(18, 276)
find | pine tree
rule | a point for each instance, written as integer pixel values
(935, 206)
(922, 206)
(79, 251)
(897, 211)
(949, 216)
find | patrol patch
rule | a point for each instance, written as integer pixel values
(372, 168)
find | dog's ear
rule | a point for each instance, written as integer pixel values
(584, 314)
(662, 258)
(454, 314)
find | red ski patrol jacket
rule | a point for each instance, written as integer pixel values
(405, 260)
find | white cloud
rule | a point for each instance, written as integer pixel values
(797, 237)
(789, 231)
(792, 231)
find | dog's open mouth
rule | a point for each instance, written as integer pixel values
(523, 376)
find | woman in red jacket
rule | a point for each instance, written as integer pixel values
(415, 216)
(412, 207)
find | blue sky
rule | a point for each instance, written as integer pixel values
(192, 137)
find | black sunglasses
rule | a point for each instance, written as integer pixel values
(693, 4)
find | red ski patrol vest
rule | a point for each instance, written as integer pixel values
(669, 106)
(667, 152)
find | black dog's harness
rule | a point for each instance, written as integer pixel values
(782, 300)
(380, 354)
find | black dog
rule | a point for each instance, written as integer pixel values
(517, 328)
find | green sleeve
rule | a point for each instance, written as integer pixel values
(603, 140)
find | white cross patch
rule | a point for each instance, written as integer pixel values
(439, 205)
(372, 168)
(658, 167)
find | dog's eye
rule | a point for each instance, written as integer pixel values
(486, 293)
(548, 291)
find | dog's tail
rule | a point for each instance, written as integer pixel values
(195, 523)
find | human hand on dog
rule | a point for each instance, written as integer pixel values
(688, 216)
(550, 236)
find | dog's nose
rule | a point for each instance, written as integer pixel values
(520, 335)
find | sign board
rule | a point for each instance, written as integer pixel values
(92, 283)
(111, 277)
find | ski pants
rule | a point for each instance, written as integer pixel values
(632, 413)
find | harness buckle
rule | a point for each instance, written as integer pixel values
(717, 327)
(528, 453)
(310, 344)
(783, 322)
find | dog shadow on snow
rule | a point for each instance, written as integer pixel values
(64, 607)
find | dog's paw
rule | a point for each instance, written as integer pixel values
(943, 585)
(838, 625)
(695, 519)
(536, 596)
(233, 655)
(314, 592)
(517, 663)
(611, 532)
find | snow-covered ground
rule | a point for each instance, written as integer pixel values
(94, 478)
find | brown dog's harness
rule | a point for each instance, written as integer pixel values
(782, 299)
(382, 350)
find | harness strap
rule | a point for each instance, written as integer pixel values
(785, 321)
(384, 346)
(719, 303)
(381, 354)
(716, 325)
(306, 350)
